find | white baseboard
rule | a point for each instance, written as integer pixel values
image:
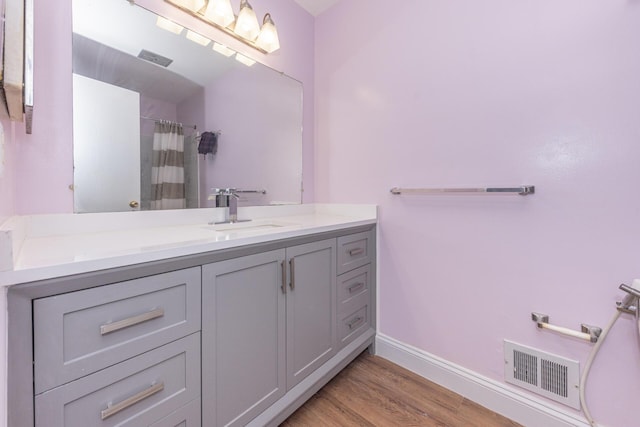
(498, 397)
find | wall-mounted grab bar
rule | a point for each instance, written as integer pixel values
(587, 332)
(522, 190)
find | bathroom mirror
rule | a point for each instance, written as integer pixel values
(122, 88)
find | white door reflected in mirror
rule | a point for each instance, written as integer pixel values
(106, 149)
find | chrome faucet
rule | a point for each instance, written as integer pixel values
(227, 197)
(233, 205)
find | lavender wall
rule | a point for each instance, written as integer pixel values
(43, 162)
(7, 208)
(44, 159)
(464, 93)
(255, 149)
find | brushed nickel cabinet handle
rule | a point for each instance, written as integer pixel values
(121, 406)
(356, 251)
(355, 322)
(131, 321)
(355, 287)
(292, 267)
(283, 285)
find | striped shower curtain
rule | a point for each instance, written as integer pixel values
(167, 173)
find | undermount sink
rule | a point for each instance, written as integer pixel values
(248, 227)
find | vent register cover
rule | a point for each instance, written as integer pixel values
(548, 375)
(155, 58)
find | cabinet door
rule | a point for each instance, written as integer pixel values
(243, 337)
(311, 308)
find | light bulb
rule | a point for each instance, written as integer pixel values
(247, 23)
(268, 38)
(193, 5)
(220, 12)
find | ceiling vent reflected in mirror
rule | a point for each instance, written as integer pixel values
(154, 58)
(245, 27)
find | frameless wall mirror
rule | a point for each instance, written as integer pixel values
(138, 85)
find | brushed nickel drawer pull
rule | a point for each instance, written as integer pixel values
(131, 321)
(356, 251)
(283, 285)
(121, 406)
(355, 322)
(292, 266)
(355, 287)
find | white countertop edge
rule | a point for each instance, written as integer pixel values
(12, 235)
(348, 216)
(64, 224)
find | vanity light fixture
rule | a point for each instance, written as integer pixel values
(247, 25)
(197, 38)
(244, 60)
(171, 26)
(268, 38)
(220, 48)
(244, 27)
(192, 5)
(220, 12)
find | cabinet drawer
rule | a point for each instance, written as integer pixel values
(350, 326)
(136, 392)
(187, 416)
(354, 251)
(82, 332)
(353, 289)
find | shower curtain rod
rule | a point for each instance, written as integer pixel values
(171, 121)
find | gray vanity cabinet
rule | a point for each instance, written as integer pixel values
(311, 308)
(243, 338)
(124, 354)
(354, 286)
(136, 392)
(237, 337)
(268, 322)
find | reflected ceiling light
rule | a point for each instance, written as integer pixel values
(220, 48)
(268, 37)
(245, 60)
(165, 24)
(247, 25)
(197, 38)
(219, 14)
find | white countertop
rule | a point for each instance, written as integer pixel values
(49, 246)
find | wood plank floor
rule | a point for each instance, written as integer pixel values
(374, 392)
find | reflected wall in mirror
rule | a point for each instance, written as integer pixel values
(119, 97)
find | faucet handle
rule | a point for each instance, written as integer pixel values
(224, 192)
(231, 192)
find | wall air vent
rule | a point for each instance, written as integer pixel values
(155, 58)
(525, 367)
(548, 375)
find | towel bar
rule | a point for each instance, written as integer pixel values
(522, 190)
